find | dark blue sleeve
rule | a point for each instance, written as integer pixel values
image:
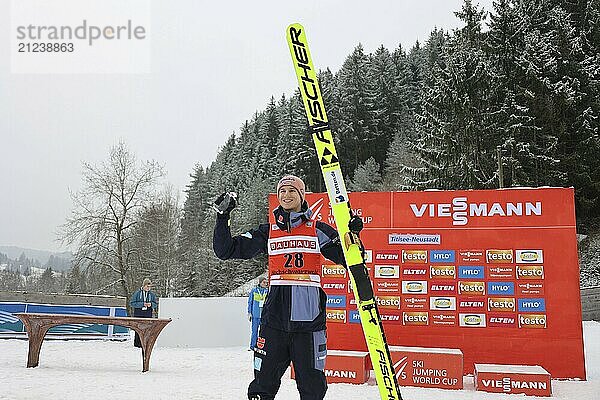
(250, 301)
(135, 301)
(154, 301)
(248, 245)
(331, 247)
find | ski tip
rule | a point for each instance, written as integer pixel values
(295, 26)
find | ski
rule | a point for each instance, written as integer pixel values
(340, 204)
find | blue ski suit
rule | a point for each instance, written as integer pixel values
(256, 300)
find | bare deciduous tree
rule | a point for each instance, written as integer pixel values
(155, 237)
(105, 213)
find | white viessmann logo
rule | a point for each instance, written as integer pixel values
(460, 210)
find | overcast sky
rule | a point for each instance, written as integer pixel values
(213, 65)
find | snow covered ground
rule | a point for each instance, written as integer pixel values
(94, 369)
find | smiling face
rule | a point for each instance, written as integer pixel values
(289, 198)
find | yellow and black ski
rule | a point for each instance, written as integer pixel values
(338, 197)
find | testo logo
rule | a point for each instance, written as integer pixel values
(496, 256)
(415, 318)
(529, 256)
(535, 321)
(460, 210)
(501, 304)
(442, 272)
(530, 272)
(414, 256)
(388, 302)
(333, 271)
(336, 316)
(471, 288)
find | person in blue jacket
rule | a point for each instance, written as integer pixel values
(256, 300)
(144, 303)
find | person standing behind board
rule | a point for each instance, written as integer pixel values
(143, 302)
(256, 300)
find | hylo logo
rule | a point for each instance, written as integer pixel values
(441, 256)
(501, 288)
(471, 272)
(336, 301)
(526, 305)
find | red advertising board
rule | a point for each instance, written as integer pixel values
(531, 380)
(493, 273)
(428, 367)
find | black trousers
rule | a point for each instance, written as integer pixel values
(138, 312)
(275, 350)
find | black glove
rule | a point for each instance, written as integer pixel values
(355, 224)
(225, 203)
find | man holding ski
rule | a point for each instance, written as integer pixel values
(293, 317)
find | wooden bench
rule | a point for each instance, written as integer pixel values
(38, 324)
